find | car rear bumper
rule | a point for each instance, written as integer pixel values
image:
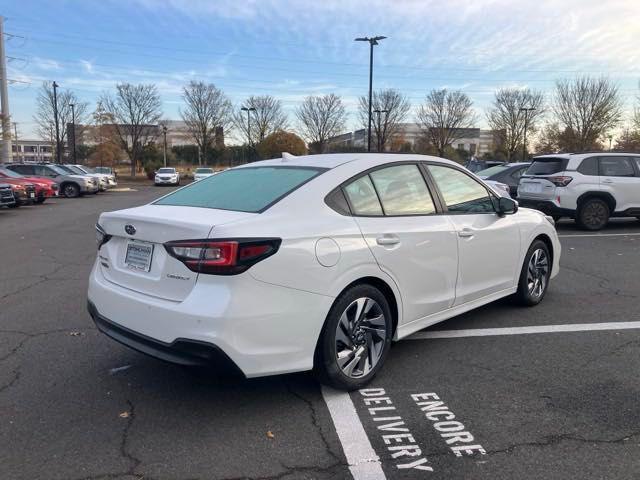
(264, 329)
(181, 351)
(546, 206)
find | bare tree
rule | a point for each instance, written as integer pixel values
(588, 108)
(443, 117)
(44, 116)
(509, 121)
(207, 108)
(136, 112)
(268, 117)
(393, 107)
(320, 118)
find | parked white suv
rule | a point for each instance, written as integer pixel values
(589, 187)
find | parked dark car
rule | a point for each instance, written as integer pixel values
(6, 195)
(507, 173)
(475, 164)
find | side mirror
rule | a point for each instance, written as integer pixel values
(507, 206)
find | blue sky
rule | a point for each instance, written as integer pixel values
(291, 49)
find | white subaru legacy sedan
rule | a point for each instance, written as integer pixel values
(314, 262)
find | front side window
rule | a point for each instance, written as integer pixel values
(250, 189)
(403, 191)
(616, 167)
(362, 197)
(461, 193)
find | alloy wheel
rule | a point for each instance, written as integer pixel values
(360, 337)
(595, 214)
(537, 273)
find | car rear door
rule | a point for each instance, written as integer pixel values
(409, 239)
(619, 177)
(488, 244)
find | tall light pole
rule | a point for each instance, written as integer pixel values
(164, 133)
(5, 118)
(55, 117)
(248, 110)
(610, 137)
(73, 130)
(526, 119)
(15, 136)
(378, 112)
(372, 41)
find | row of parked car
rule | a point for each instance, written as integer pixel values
(29, 183)
(588, 187)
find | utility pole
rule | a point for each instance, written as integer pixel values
(73, 131)
(526, 119)
(372, 42)
(55, 116)
(15, 138)
(5, 154)
(164, 132)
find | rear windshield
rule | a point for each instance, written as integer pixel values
(167, 170)
(492, 171)
(250, 189)
(204, 170)
(547, 166)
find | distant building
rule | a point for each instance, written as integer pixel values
(32, 150)
(476, 141)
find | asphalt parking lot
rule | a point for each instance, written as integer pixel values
(460, 400)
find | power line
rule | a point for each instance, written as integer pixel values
(297, 60)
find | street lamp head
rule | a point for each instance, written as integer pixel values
(164, 129)
(244, 109)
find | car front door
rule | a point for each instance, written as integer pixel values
(488, 244)
(618, 177)
(409, 239)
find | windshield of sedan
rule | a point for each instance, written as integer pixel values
(228, 190)
(204, 170)
(59, 169)
(487, 172)
(75, 170)
(102, 170)
(167, 170)
(10, 173)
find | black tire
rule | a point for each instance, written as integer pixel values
(526, 295)
(41, 200)
(361, 335)
(70, 190)
(593, 214)
(556, 218)
(15, 205)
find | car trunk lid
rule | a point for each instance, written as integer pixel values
(135, 257)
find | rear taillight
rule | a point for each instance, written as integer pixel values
(224, 256)
(560, 181)
(102, 237)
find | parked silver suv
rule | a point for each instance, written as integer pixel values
(70, 185)
(589, 187)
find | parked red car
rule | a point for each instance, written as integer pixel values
(45, 187)
(23, 191)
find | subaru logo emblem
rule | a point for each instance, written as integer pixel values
(130, 229)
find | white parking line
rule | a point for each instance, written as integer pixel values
(487, 332)
(364, 464)
(575, 235)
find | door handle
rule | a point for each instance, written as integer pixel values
(465, 233)
(386, 240)
(607, 180)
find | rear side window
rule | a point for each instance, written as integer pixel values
(362, 197)
(616, 167)
(251, 189)
(589, 166)
(547, 166)
(403, 191)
